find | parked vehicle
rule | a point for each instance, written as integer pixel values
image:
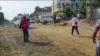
(32, 20)
(45, 19)
(17, 23)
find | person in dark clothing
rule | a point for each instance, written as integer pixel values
(24, 26)
(54, 19)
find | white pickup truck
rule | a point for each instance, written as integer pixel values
(45, 19)
(17, 23)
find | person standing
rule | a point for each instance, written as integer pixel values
(58, 18)
(24, 26)
(54, 19)
(74, 22)
(96, 37)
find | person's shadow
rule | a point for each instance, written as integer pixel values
(40, 43)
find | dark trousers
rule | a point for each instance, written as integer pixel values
(76, 28)
(25, 34)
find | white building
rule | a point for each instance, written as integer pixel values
(60, 4)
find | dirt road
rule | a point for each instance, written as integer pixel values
(46, 40)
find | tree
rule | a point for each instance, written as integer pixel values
(6, 20)
(1, 18)
(68, 12)
(96, 4)
(37, 8)
(81, 7)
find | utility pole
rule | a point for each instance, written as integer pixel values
(53, 8)
(61, 4)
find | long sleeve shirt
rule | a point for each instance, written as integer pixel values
(74, 21)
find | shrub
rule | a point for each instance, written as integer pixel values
(68, 12)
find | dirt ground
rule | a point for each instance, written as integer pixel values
(47, 40)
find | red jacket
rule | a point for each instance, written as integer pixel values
(24, 24)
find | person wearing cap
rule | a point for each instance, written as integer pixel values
(74, 22)
(96, 37)
(24, 26)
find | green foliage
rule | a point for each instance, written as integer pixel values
(81, 7)
(96, 4)
(68, 12)
(37, 8)
(57, 12)
(1, 18)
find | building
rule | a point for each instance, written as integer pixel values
(61, 4)
(74, 5)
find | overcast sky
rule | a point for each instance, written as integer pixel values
(12, 8)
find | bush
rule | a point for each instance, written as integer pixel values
(57, 12)
(1, 18)
(68, 12)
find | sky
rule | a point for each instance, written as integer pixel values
(12, 8)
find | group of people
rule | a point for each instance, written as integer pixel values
(24, 25)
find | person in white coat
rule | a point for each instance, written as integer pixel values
(74, 22)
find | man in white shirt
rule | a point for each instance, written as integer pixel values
(74, 22)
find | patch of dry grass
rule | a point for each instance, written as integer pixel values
(61, 42)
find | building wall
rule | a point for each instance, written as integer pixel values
(59, 5)
(74, 4)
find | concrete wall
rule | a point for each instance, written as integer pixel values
(55, 5)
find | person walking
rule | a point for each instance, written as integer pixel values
(74, 22)
(96, 37)
(24, 26)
